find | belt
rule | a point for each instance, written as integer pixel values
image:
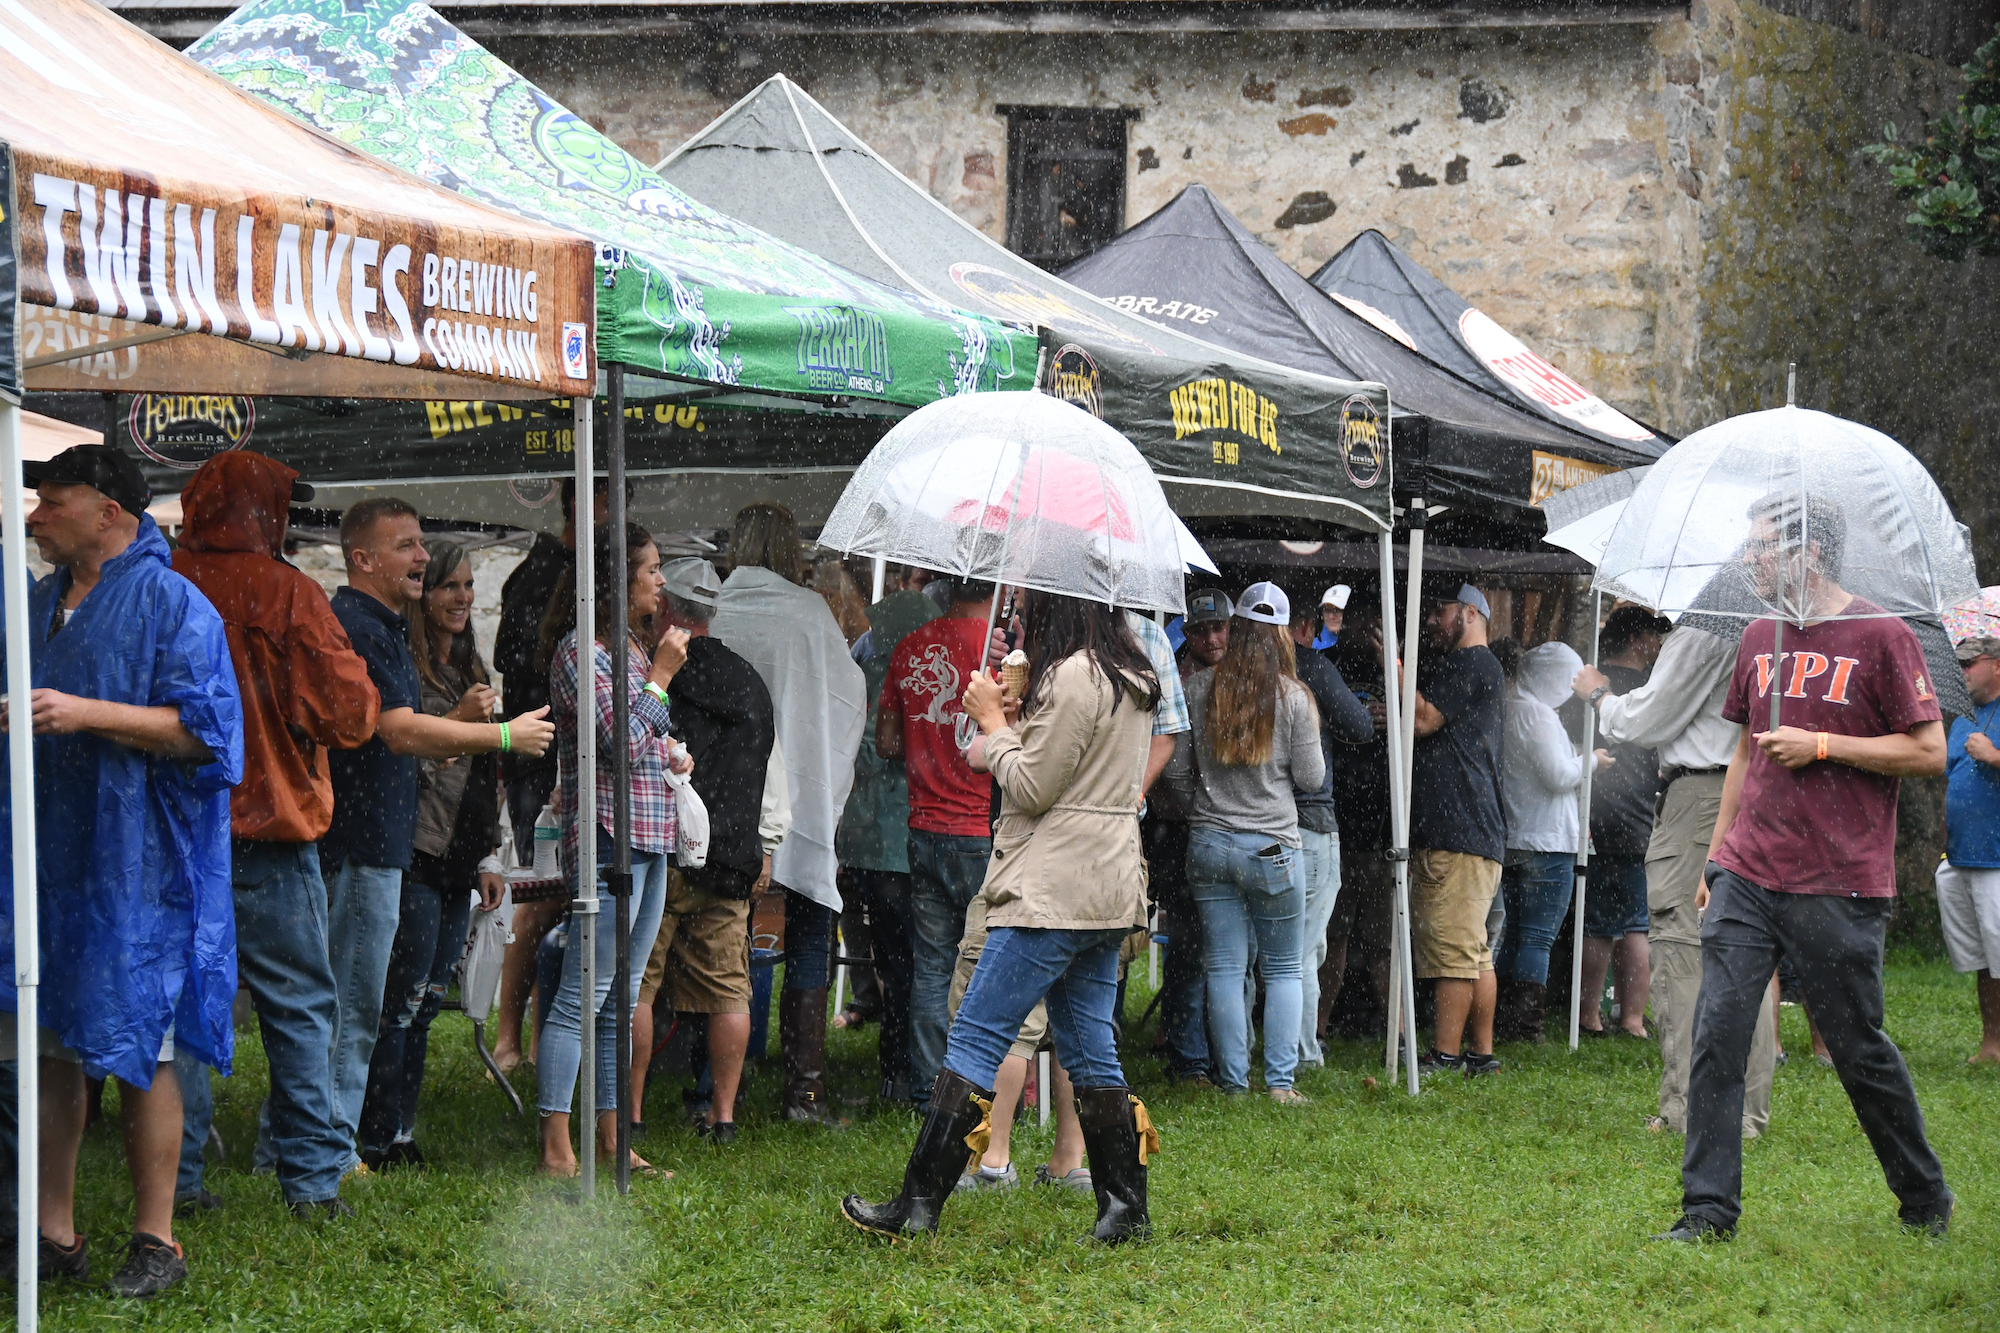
(1672, 773)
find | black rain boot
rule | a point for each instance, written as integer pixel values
(1109, 1118)
(802, 1035)
(1506, 1013)
(940, 1156)
(1531, 1016)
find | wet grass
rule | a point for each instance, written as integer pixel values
(1512, 1203)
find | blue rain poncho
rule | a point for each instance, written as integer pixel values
(138, 925)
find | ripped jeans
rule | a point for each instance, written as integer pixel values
(430, 939)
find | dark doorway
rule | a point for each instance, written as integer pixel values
(1065, 180)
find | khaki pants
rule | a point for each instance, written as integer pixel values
(1035, 1031)
(1674, 862)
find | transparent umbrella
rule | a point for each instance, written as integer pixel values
(1020, 489)
(1799, 501)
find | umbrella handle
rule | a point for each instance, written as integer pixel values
(1777, 669)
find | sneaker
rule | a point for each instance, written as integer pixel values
(721, 1134)
(1691, 1230)
(151, 1266)
(197, 1203)
(1780, 1060)
(1289, 1097)
(1477, 1065)
(986, 1178)
(1435, 1061)
(1191, 1078)
(404, 1154)
(1078, 1180)
(322, 1210)
(53, 1261)
(1932, 1219)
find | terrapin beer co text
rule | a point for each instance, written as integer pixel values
(314, 278)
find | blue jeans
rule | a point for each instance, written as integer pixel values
(946, 873)
(1536, 888)
(808, 943)
(281, 958)
(1076, 971)
(364, 906)
(1322, 887)
(561, 1040)
(430, 939)
(1251, 899)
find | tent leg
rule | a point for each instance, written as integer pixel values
(21, 776)
(1400, 1042)
(1407, 717)
(621, 762)
(1583, 841)
(583, 909)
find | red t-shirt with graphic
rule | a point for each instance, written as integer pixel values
(1825, 828)
(928, 672)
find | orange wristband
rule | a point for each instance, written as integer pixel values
(1822, 743)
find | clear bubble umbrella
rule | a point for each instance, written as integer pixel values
(1020, 489)
(1726, 522)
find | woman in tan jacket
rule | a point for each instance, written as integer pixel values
(1066, 885)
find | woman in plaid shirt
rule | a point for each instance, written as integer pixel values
(650, 670)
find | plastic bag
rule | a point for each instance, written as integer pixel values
(691, 813)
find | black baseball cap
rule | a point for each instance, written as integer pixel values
(100, 466)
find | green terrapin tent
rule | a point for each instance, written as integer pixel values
(684, 292)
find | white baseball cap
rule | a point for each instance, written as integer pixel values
(1336, 596)
(1266, 604)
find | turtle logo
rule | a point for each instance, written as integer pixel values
(586, 160)
(1361, 449)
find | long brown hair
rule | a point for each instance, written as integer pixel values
(766, 535)
(462, 653)
(1055, 628)
(1243, 697)
(560, 618)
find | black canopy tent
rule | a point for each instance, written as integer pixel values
(1375, 280)
(1229, 434)
(1459, 443)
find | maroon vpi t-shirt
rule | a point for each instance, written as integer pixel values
(1825, 828)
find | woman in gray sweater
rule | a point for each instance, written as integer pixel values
(1255, 740)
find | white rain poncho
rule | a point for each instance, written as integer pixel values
(820, 699)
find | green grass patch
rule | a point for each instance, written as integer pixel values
(1513, 1203)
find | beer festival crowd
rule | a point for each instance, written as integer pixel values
(243, 784)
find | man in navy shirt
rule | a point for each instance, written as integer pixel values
(366, 850)
(1456, 829)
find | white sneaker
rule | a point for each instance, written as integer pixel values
(986, 1178)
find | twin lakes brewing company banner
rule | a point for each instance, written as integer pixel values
(146, 188)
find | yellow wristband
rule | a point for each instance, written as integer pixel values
(1822, 743)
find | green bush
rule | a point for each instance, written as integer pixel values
(1953, 177)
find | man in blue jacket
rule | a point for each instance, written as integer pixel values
(139, 737)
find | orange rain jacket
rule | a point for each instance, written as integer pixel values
(304, 687)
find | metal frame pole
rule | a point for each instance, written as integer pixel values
(1583, 838)
(583, 908)
(1398, 851)
(621, 764)
(27, 959)
(1407, 715)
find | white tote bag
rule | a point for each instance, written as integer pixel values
(691, 814)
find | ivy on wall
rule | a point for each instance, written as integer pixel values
(1953, 176)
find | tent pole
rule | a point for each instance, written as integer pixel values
(621, 762)
(583, 908)
(1583, 839)
(1393, 731)
(1412, 646)
(21, 778)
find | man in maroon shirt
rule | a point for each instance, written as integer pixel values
(1802, 862)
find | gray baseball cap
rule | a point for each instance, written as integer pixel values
(1209, 605)
(692, 579)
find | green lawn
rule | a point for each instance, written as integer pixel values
(1512, 1203)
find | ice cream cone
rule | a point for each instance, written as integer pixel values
(1014, 674)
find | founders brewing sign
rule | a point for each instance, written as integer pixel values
(144, 187)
